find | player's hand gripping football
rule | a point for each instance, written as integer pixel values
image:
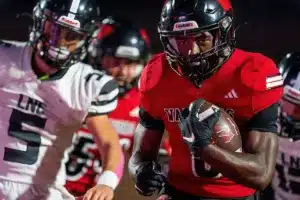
(197, 125)
(99, 192)
(149, 178)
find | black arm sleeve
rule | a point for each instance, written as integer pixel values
(265, 120)
(107, 99)
(149, 122)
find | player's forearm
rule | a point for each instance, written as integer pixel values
(145, 148)
(107, 141)
(244, 168)
(134, 163)
(112, 154)
(112, 157)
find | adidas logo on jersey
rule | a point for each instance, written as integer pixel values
(231, 95)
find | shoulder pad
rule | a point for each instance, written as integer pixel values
(5, 44)
(152, 73)
(94, 76)
(88, 67)
(258, 71)
(12, 52)
(9, 44)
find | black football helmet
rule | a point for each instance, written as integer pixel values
(289, 67)
(120, 39)
(63, 29)
(185, 25)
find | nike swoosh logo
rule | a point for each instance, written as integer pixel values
(189, 139)
(134, 112)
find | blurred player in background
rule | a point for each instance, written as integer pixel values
(46, 95)
(286, 181)
(200, 61)
(120, 50)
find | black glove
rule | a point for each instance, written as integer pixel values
(163, 195)
(196, 125)
(149, 178)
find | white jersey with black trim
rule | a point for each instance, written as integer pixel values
(286, 180)
(38, 118)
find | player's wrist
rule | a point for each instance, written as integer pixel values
(198, 152)
(201, 144)
(108, 178)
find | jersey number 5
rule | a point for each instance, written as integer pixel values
(33, 139)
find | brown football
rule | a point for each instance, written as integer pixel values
(226, 133)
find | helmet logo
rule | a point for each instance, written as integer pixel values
(70, 22)
(127, 51)
(182, 26)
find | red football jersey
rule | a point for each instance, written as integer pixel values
(84, 161)
(246, 84)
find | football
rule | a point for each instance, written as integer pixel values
(226, 133)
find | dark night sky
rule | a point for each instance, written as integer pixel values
(268, 26)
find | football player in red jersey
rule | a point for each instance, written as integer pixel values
(120, 50)
(200, 61)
